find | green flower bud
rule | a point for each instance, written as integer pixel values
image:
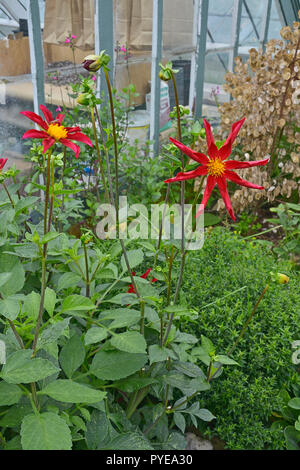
(92, 62)
(279, 278)
(83, 99)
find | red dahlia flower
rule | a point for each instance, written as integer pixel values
(131, 289)
(53, 131)
(216, 167)
(2, 162)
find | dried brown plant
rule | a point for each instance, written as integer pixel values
(266, 90)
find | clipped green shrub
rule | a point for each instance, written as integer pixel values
(245, 396)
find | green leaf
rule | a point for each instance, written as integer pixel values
(207, 345)
(20, 368)
(50, 300)
(113, 365)
(189, 369)
(135, 257)
(294, 403)
(32, 305)
(178, 309)
(46, 431)
(53, 332)
(200, 353)
(4, 277)
(121, 317)
(175, 441)
(9, 308)
(72, 392)
(292, 437)
(72, 355)
(16, 281)
(14, 416)
(130, 341)
(77, 303)
(68, 280)
(179, 420)
(158, 354)
(211, 219)
(24, 203)
(129, 441)
(95, 335)
(49, 236)
(225, 360)
(132, 384)
(97, 429)
(9, 394)
(186, 385)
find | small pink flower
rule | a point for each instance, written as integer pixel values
(54, 78)
(123, 48)
(94, 78)
(67, 41)
(58, 109)
(73, 36)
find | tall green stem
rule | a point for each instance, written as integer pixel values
(44, 257)
(87, 280)
(182, 186)
(115, 148)
(9, 196)
(98, 154)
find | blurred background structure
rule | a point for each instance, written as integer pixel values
(42, 43)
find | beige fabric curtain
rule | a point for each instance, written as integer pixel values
(133, 22)
(69, 17)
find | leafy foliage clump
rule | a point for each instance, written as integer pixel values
(244, 397)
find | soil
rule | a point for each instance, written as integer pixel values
(64, 73)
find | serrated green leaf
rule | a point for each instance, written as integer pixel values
(72, 355)
(135, 257)
(67, 280)
(52, 332)
(95, 335)
(50, 300)
(130, 341)
(15, 283)
(46, 431)
(9, 394)
(225, 360)
(20, 368)
(9, 308)
(77, 303)
(32, 305)
(72, 392)
(158, 354)
(113, 365)
(129, 441)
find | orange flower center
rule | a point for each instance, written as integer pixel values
(57, 132)
(216, 167)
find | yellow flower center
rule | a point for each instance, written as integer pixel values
(216, 167)
(57, 132)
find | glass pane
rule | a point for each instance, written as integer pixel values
(219, 21)
(275, 23)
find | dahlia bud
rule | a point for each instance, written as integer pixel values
(280, 278)
(166, 72)
(2, 162)
(83, 99)
(92, 63)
